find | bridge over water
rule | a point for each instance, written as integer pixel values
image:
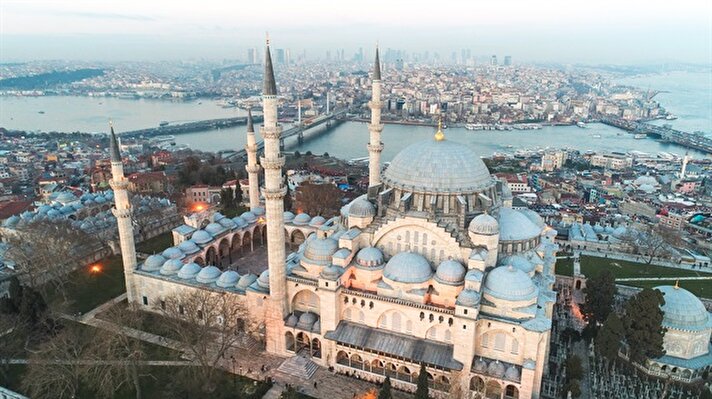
(697, 141)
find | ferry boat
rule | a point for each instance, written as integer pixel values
(670, 117)
(163, 123)
(639, 136)
(581, 125)
(596, 136)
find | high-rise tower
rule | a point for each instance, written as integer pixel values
(274, 192)
(122, 211)
(252, 167)
(375, 146)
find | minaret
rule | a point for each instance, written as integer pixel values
(252, 167)
(685, 160)
(274, 192)
(122, 211)
(375, 146)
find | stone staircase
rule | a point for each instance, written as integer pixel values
(298, 366)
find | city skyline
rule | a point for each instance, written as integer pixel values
(649, 32)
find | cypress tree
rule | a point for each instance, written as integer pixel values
(421, 392)
(385, 391)
(644, 330)
(608, 340)
(600, 291)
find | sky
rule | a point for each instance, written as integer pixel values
(567, 31)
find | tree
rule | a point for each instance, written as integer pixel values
(287, 196)
(319, 199)
(574, 371)
(600, 294)
(651, 241)
(643, 325)
(238, 195)
(421, 391)
(227, 198)
(385, 391)
(573, 386)
(608, 339)
(205, 323)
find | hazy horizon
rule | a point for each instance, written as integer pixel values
(575, 31)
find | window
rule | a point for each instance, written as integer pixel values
(163, 304)
(499, 342)
(464, 311)
(515, 347)
(448, 336)
(181, 310)
(396, 322)
(484, 342)
(145, 300)
(384, 322)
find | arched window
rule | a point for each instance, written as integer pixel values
(396, 322)
(425, 238)
(384, 322)
(484, 341)
(409, 327)
(515, 346)
(433, 333)
(347, 314)
(448, 336)
(499, 342)
(361, 316)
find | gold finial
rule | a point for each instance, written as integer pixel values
(439, 135)
(677, 284)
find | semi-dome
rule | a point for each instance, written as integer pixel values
(484, 224)
(362, 208)
(173, 253)
(450, 272)
(316, 328)
(480, 365)
(288, 216)
(369, 257)
(408, 267)
(320, 250)
(292, 320)
(331, 272)
(201, 237)
(188, 247)
(214, 229)
(437, 166)
(301, 219)
(172, 266)
(509, 283)
(228, 279)
(153, 263)
(515, 226)
(512, 374)
(683, 310)
(208, 274)
(317, 221)
(306, 321)
(496, 369)
(189, 271)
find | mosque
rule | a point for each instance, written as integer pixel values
(432, 266)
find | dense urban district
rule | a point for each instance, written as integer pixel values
(131, 268)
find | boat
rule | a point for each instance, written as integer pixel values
(581, 125)
(163, 123)
(596, 136)
(670, 117)
(40, 112)
(639, 136)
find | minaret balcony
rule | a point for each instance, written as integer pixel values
(272, 163)
(375, 147)
(121, 184)
(252, 168)
(277, 194)
(375, 104)
(271, 132)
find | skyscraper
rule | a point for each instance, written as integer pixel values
(252, 56)
(280, 56)
(507, 60)
(493, 60)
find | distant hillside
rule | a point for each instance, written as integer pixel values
(48, 80)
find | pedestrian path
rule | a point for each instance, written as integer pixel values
(663, 278)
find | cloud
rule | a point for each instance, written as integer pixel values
(100, 15)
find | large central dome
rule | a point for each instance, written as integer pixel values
(438, 166)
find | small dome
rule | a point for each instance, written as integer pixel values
(99, 199)
(227, 223)
(77, 206)
(509, 283)
(189, 271)
(67, 209)
(249, 217)
(43, 209)
(214, 229)
(228, 279)
(320, 250)
(65, 197)
(263, 280)
(683, 310)
(496, 369)
(301, 219)
(362, 208)
(258, 211)
(11, 221)
(369, 257)
(292, 320)
(188, 247)
(173, 253)
(484, 224)
(240, 222)
(515, 226)
(512, 374)
(306, 321)
(520, 263)
(53, 213)
(408, 267)
(246, 281)
(172, 266)
(450, 272)
(153, 263)
(317, 221)
(468, 298)
(208, 274)
(217, 216)
(201, 237)
(288, 217)
(480, 365)
(331, 272)
(316, 328)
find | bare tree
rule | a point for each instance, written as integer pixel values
(319, 199)
(45, 252)
(651, 241)
(207, 324)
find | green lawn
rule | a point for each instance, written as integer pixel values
(564, 267)
(87, 290)
(156, 244)
(701, 288)
(592, 266)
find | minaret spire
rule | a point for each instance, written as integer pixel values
(122, 211)
(375, 146)
(274, 192)
(252, 167)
